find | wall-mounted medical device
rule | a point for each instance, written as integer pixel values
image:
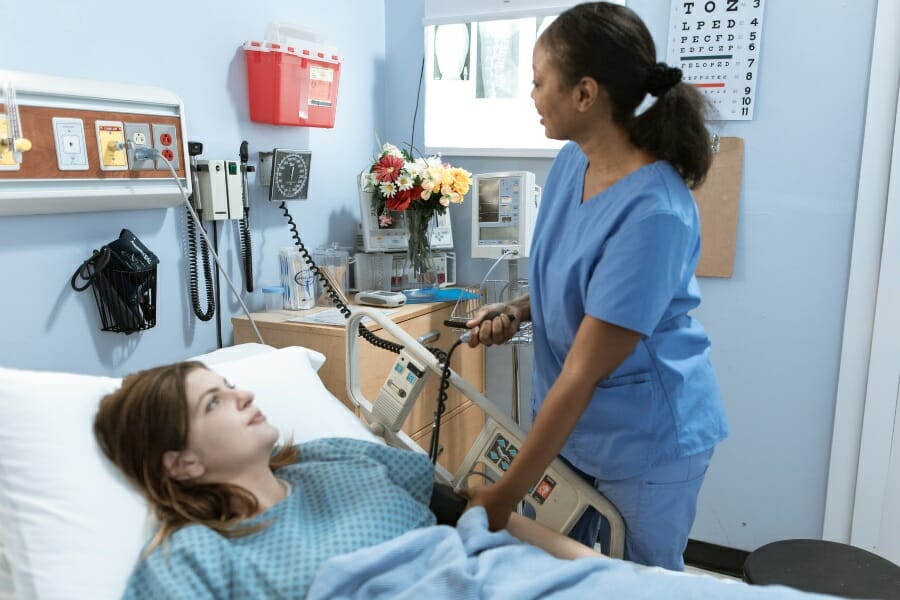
(221, 189)
(503, 215)
(68, 145)
(394, 237)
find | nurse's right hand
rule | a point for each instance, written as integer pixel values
(488, 330)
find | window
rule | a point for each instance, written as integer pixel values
(478, 76)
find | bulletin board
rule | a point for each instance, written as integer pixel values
(717, 198)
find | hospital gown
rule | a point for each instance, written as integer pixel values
(347, 495)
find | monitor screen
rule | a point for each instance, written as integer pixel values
(499, 201)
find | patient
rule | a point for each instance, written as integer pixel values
(239, 518)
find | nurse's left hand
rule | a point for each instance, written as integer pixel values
(494, 501)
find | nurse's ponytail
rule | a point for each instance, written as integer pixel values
(673, 128)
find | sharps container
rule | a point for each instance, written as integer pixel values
(335, 261)
(274, 297)
(296, 279)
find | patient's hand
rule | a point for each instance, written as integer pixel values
(496, 505)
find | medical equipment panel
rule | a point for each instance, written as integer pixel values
(68, 145)
(220, 189)
(504, 214)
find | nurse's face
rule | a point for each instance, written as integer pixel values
(552, 99)
(227, 432)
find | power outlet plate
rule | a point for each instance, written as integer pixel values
(137, 135)
(166, 141)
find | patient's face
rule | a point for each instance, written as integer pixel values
(227, 432)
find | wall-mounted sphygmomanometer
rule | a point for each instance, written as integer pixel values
(286, 172)
(506, 205)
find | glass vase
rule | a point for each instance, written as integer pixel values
(420, 264)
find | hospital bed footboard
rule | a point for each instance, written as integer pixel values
(558, 498)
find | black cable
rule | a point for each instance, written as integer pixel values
(193, 276)
(435, 446)
(246, 249)
(215, 229)
(344, 310)
(378, 342)
(412, 137)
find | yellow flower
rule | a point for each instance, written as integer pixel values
(462, 179)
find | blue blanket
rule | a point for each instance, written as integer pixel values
(472, 562)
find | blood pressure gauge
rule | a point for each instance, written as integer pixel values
(290, 175)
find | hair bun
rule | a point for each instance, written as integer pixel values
(661, 78)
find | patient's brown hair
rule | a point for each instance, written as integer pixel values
(148, 416)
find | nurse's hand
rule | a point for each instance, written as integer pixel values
(495, 502)
(494, 324)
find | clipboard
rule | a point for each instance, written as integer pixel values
(718, 200)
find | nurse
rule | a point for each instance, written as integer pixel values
(623, 388)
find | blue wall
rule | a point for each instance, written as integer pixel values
(776, 324)
(193, 49)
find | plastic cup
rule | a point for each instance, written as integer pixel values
(274, 298)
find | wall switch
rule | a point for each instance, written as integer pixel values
(71, 149)
(137, 135)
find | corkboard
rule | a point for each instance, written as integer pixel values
(717, 200)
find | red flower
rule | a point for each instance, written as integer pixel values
(400, 201)
(388, 168)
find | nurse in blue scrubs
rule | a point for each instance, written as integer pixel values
(623, 387)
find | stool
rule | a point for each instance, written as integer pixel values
(823, 567)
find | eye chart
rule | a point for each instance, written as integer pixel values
(715, 43)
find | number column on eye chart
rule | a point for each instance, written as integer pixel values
(716, 45)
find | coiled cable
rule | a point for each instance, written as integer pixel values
(193, 276)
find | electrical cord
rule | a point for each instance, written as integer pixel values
(443, 357)
(193, 276)
(243, 233)
(243, 228)
(218, 283)
(329, 289)
(154, 154)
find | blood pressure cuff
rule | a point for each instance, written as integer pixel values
(128, 253)
(446, 504)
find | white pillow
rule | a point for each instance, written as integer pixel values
(71, 525)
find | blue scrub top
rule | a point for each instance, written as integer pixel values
(626, 257)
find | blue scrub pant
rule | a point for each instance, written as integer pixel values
(658, 507)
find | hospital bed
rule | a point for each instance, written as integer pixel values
(71, 527)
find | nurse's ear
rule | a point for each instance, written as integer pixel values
(587, 92)
(183, 465)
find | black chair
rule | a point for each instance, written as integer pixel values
(823, 567)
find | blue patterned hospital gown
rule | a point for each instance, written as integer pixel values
(347, 495)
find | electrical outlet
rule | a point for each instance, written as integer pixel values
(137, 135)
(166, 141)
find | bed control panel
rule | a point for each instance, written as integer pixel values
(558, 498)
(398, 394)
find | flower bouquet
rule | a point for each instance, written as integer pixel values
(417, 189)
